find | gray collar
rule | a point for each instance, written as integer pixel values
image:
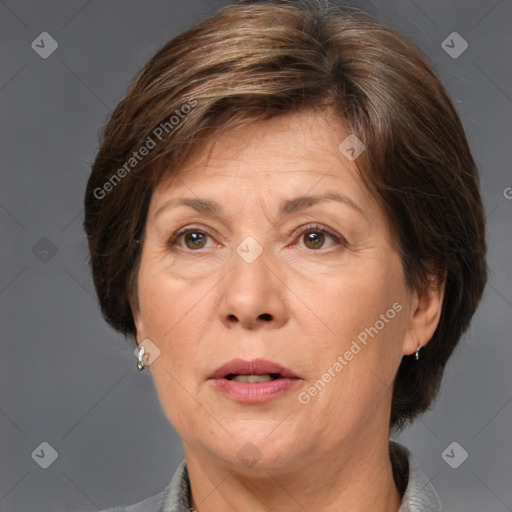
(419, 495)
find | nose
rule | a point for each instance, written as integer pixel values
(253, 296)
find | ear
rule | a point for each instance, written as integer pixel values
(137, 319)
(139, 326)
(426, 306)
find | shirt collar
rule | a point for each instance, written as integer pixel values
(419, 495)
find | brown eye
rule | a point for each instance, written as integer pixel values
(194, 240)
(314, 239)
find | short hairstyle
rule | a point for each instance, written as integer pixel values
(252, 61)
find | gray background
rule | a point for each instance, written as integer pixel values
(67, 379)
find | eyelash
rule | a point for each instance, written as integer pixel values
(316, 228)
(295, 234)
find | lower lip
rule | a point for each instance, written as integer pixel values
(256, 392)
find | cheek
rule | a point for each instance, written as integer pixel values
(170, 310)
(364, 314)
(173, 316)
(166, 304)
(354, 299)
(354, 368)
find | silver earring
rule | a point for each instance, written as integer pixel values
(418, 352)
(140, 363)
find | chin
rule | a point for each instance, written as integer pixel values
(255, 449)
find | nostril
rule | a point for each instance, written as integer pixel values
(266, 317)
(232, 318)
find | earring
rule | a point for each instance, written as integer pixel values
(140, 363)
(418, 352)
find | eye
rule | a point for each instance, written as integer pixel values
(194, 240)
(189, 238)
(314, 237)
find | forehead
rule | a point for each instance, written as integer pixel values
(292, 152)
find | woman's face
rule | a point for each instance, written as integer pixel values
(273, 250)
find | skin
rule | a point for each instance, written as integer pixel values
(301, 303)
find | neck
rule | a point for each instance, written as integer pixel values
(355, 477)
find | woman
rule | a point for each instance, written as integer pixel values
(285, 215)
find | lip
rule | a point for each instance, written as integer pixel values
(257, 392)
(254, 367)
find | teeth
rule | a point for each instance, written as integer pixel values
(252, 378)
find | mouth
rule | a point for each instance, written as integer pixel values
(253, 378)
(253, 382)
(257, 370)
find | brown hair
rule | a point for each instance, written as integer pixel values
(249, 62)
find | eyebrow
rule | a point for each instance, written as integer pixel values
(286, 208)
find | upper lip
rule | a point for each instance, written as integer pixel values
(254, 367)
